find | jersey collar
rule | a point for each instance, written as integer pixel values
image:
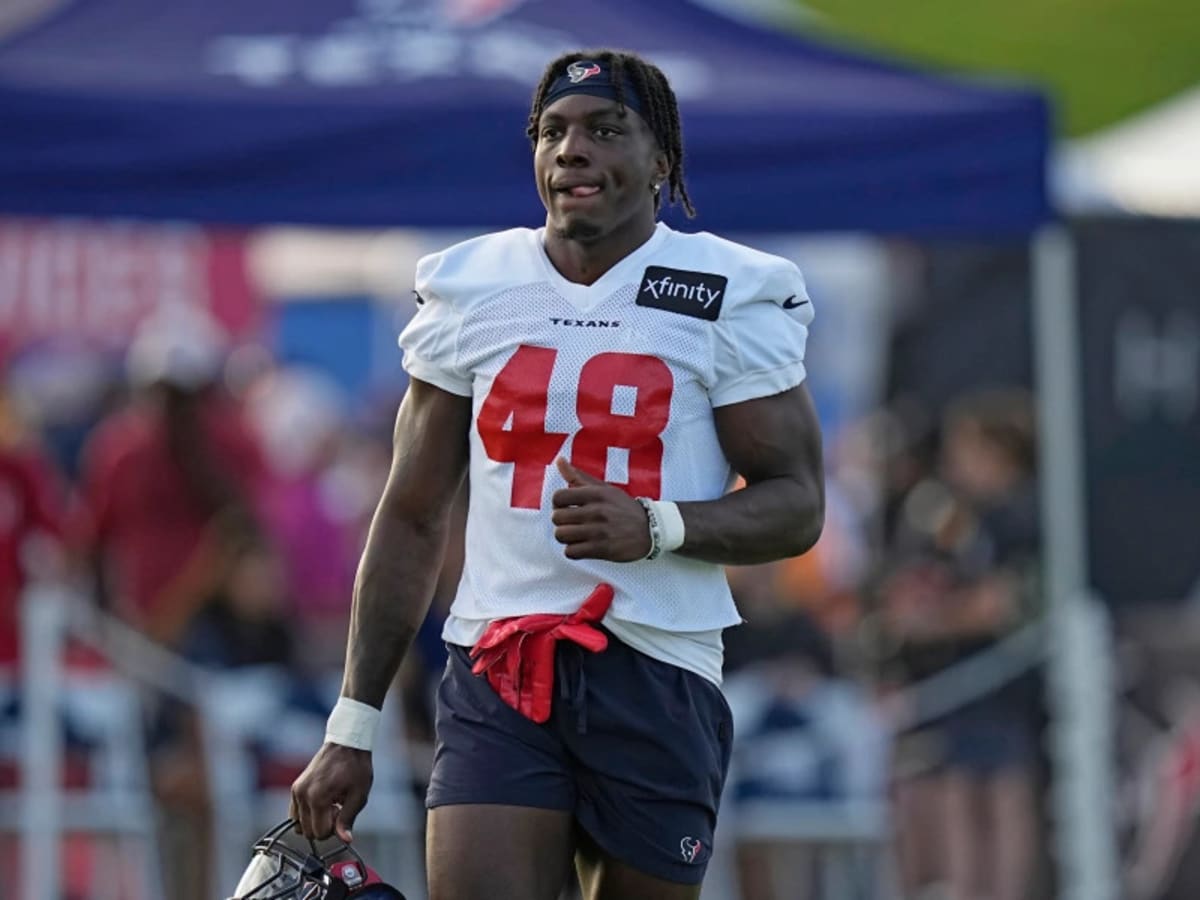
(585, 296)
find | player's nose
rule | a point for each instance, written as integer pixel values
(573, 148)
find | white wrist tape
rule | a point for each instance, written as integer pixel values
(670, 519)
(666, 526)
(352, 724)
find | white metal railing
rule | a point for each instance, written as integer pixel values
(106, 708)
(233, 707)
(42, 624)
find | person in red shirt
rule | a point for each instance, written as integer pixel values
(171, 481)
(31, 522)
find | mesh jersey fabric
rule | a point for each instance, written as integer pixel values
(623, 388)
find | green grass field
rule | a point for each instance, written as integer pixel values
(1101, 59)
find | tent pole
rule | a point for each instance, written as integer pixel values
(1079, 662)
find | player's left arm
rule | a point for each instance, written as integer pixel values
(774, 443)
(768, 430)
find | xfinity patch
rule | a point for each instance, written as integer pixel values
(697, 294)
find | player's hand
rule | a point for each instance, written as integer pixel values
(331, 792)
(598, 520)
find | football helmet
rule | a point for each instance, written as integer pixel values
(287, 866)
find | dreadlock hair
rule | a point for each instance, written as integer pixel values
(659, 108)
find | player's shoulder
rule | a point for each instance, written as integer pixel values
(706, 245)
(474, 269)
(743, 274)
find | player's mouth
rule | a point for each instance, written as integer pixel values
(577, 190)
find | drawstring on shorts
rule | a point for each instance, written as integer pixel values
(572, 683)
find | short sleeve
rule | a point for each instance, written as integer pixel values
(760, 341)
(430, 340)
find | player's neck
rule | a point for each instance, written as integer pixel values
(585, 261)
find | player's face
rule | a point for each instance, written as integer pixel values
(594, 167)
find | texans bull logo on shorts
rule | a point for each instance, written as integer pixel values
(691, 848)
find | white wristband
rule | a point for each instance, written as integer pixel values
(666, 526)
(352, 724)
(670, 520)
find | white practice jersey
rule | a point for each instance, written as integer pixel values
(620, 377)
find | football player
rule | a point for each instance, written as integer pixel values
(603, 379)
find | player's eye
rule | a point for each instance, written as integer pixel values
(549, 133)
(606, 131)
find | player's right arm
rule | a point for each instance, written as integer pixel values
(392, 591)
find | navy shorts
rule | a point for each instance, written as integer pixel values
(635, 748)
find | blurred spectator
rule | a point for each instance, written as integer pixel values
(31, 521)
(960, 578)
(808, 738)
(245, 622)
(171, 480)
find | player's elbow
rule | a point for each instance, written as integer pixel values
(407, 514)
(808, 519)
(808, 535)
(805, 536)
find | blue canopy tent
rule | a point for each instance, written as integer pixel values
(412, 112)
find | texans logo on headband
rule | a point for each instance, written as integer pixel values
(586, 76)
(579, 71)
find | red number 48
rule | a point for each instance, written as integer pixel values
(512, 420)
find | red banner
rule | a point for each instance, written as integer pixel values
(98, 280)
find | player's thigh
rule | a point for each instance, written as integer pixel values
(650, 763)
(499, 852)
(603, 877)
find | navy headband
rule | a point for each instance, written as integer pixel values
(595, 79)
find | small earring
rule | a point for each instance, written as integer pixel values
(654, 187)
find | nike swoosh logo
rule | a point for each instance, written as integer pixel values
(790, 302)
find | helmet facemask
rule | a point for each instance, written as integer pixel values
(286, 866)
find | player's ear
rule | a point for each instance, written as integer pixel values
(662, 166)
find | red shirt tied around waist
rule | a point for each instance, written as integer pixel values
(517, 654)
